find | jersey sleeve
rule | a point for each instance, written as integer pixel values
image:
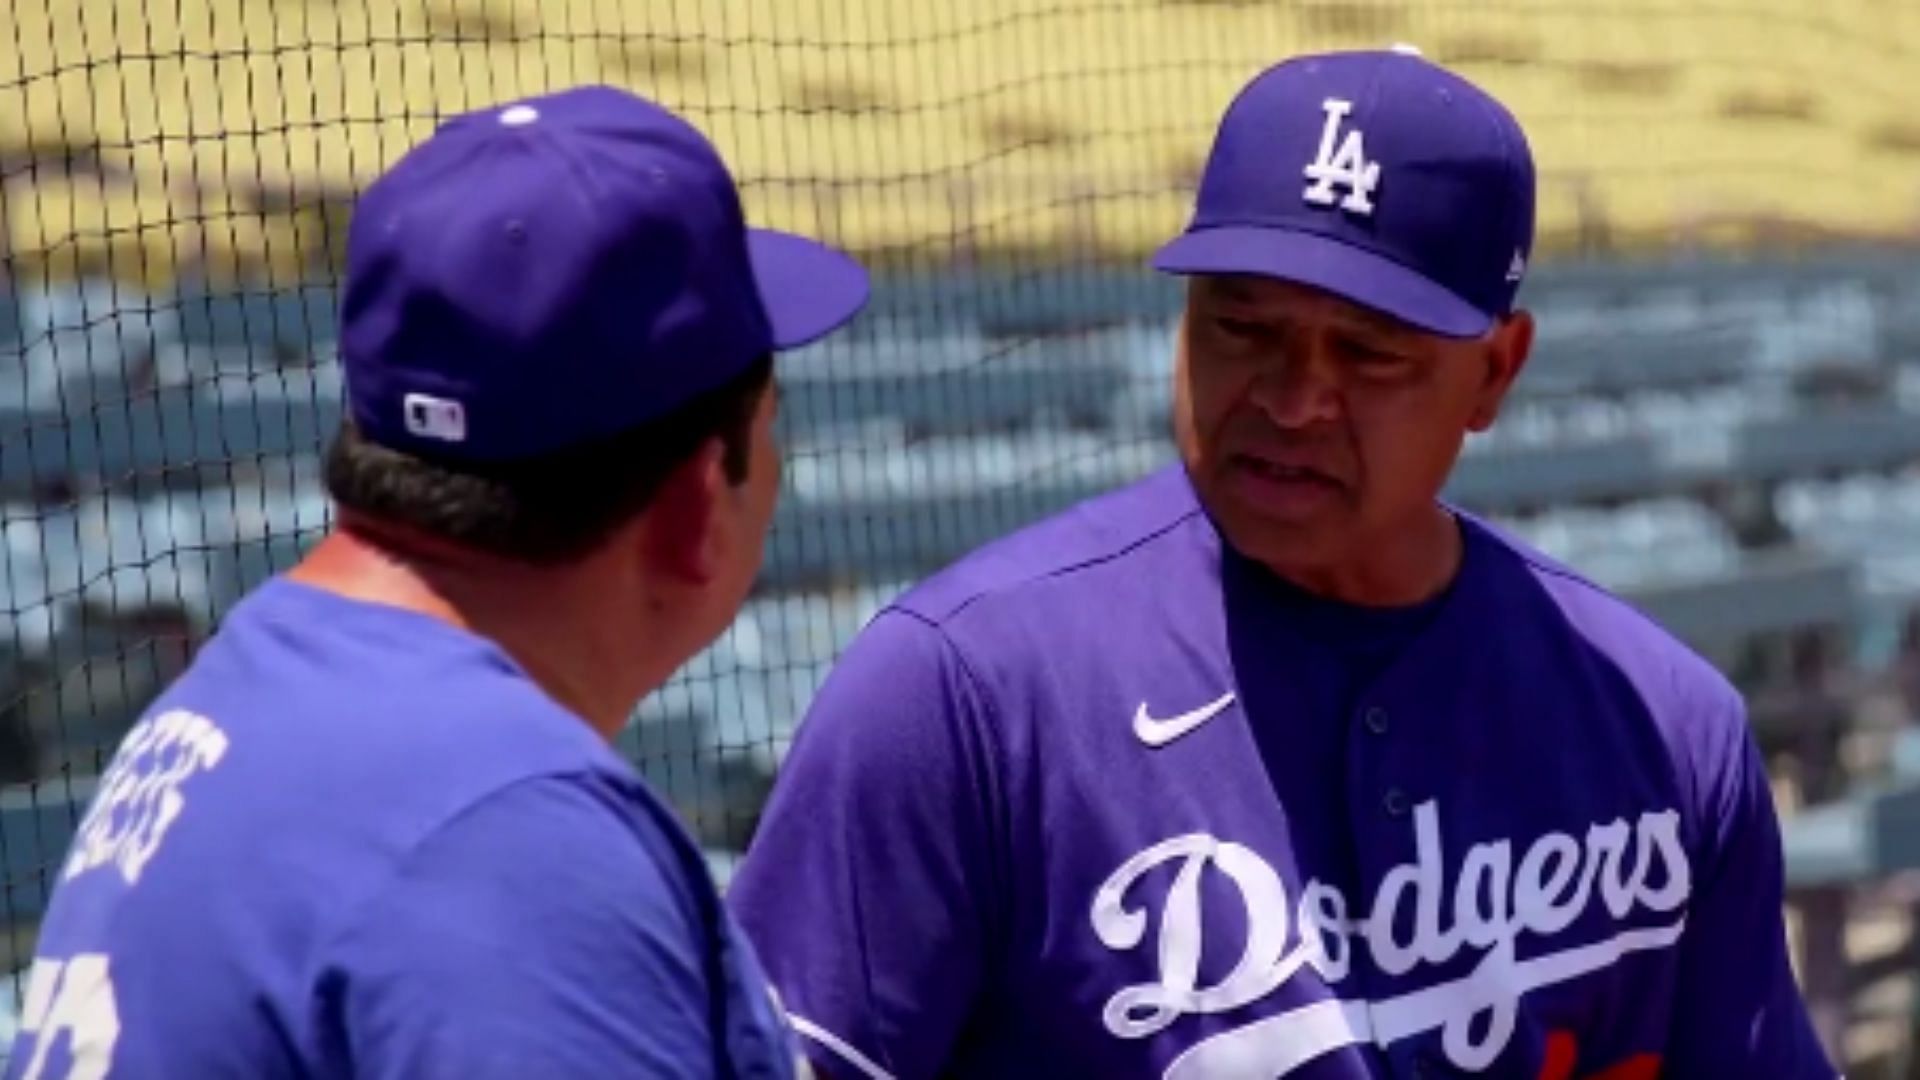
(869, 886)
(1739, 1011)
(534, 935)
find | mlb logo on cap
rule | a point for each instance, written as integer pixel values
(1378, 176)
(435, 418)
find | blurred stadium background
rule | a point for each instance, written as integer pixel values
(1722, 420)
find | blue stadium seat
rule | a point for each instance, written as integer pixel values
(176, 432)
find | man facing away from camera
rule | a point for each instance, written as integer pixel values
(377, 829)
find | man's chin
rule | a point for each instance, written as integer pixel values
(1296, 539)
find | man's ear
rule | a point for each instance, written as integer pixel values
(1180, 416)
(682, 538)
(1506, 353)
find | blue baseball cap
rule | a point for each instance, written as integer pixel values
(561, 268)
(1377, 176)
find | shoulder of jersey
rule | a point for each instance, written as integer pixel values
(418, 697)
(1611, 622)
(1095, 533)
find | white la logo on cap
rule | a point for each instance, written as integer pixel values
(1348, 165)
(432, 417)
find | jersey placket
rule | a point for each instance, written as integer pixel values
(1387, 745)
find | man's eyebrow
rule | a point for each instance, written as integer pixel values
(1352, 316)
(1224, 289)
(1377, 323)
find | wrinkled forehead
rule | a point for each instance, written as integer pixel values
(1272, 299)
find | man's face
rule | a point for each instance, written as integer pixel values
(705, 536)
(747, 510)
(1319, 433)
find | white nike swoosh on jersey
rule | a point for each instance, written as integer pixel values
(1161, 732)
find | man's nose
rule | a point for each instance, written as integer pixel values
(1298, 390)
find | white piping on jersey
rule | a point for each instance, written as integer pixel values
(839, 1046)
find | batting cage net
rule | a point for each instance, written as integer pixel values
(1719, 420)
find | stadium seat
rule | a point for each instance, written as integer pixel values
(927, 130)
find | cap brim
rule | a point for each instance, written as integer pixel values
(1370, 280)
(808, 289)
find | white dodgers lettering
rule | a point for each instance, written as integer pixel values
(1629, 866)
(140, 796)
(1346, 165)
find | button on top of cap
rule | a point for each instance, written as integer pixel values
(1405, 49)
(519, 115)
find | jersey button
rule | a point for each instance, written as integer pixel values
(1376, 720)
(1395, 802)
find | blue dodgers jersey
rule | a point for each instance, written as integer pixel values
(355, 841)
(1105, 800)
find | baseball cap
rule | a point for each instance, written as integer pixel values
(1378, 176)
(560, 268)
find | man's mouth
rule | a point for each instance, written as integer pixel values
(1286, 473)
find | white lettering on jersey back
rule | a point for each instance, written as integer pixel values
(72, 998)
(1491, 904)
(141, 796)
